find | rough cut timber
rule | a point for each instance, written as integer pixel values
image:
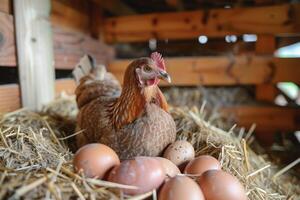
(69, 46)
(35, 52)
(267, 119)
(7, 41)
(278, 20)
(11, 98)
(116, 7)
(223, 70)
(6, 6)
(71, 15)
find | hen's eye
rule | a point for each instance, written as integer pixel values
(147, 69)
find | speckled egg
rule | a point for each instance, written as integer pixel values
(145, 173)
(95, 160)
(220, 185)
(180, 188)
(202, 164)
(180, 152)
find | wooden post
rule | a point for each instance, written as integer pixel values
(35, 52)
(266, 45)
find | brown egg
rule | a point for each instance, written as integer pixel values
(202, 164)
(179, 152)
(220, 185)
(179, 188)
(170, 168)
(95, 160)
(144, 172)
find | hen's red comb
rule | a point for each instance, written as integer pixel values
(158, 59)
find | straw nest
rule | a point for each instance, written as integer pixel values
(36, 160)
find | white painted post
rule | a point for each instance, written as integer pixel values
(35, 52)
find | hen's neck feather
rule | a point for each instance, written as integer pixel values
(131, 104)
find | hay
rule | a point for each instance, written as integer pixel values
(36, 163)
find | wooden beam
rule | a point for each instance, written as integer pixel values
(276, 20)
(177, 4)
(69, 46)
(35, 52)
(224, 70)
(70, 16)
(265, 44)
(115, 7)
(6, 6)
(270, 119)
(266, 92)
(7, 41)
(11, 98)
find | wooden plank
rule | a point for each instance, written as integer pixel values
(265, 44)
(266, 92)
(6, 6)
(7, 41)
(69, 46)
(71, 15)
(223, 70)
(270, 119)
(276, 20)
(177, 4)
(65, 85)
(115, 7)
(35, 52)
(11, 99)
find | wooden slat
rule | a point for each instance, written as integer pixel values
(6, 6)
(69, 46)
(267, 119)
(266, 45)
(224, 70)
(279, 19)
(266, 92)
(10, 98)
(70, 15)
(65, 85)
(7, 41)
(116, 7)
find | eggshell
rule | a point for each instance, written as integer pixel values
(179, 152)
(220, 185)
(179, 188)
(170, 168)
(202, 164)
(144, 172)
(95, 160)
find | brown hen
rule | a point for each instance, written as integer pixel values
(134, 121)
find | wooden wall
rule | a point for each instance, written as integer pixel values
(72, 39)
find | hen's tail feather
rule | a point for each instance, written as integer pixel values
(93, 82)
(86, 66)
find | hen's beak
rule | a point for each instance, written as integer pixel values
(164, 76)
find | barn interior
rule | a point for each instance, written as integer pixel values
(235, 66)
